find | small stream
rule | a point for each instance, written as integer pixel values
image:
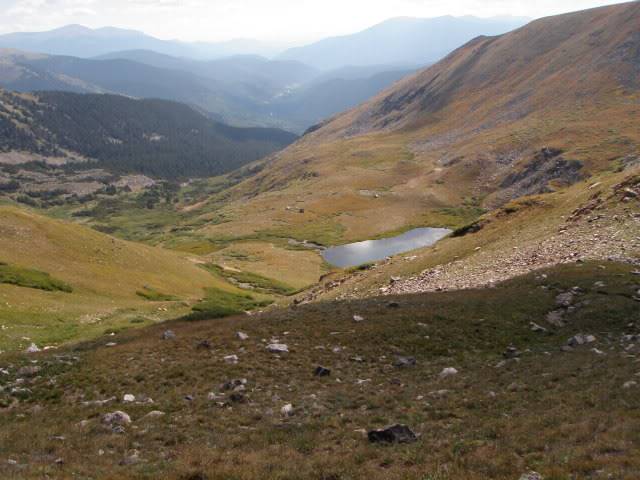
(354, 254)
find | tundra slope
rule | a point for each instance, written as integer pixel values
(531, 112)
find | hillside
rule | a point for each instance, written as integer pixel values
(152, 137)
(532, 112)
(486, 395)
(103, 275)
(400, 41)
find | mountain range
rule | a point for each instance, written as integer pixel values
(402, 40)
(294, 91)
(84, 42)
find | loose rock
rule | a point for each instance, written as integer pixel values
(116, 418)
(278, 348)
(531, 476)
(322, 372)
(169, 335)
(394, 434)
(448, 372)
(403, 362)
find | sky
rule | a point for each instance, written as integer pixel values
(280, 21)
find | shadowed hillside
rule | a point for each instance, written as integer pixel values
(153, 137)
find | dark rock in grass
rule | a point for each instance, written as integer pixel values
(237, 397)
(204, 345)
(322, 372)
(511, 352)
(169, 335)
(393, 305)
(393, 434)
(236, 384)
(403, 362)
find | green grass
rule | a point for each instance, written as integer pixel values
(25, 277)
(219, 304)
(257, 282)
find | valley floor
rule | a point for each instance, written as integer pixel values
(563, 411)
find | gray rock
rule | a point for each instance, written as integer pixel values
(28, 371)
(448, 372)
(153, 415)
(169, 335)
(116, 418)
(33, 348)
(531, 476)
(278, 348)
(237, 384)
(565, 299)
(580, 339)
(403, 362)
(394, 434)
(556, 318)
(537, 328)
(242, 336)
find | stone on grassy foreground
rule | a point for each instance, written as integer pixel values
(278, 348)
(394, 434)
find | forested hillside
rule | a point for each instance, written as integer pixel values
(154, 137)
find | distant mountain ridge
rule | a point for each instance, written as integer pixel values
(241, 90)
(401, 40)
(84, 42)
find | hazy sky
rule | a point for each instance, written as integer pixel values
(273, 20)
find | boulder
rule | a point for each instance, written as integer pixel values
(531, 476)
(565, 299)
(580, 339)
(232, 359)
(278, 348)
(242, 336)
(237, 384)
(33, 348)
(28, 371)
(153, 415)
(403, 362)
(511, 352)
(322, 372)
(169, 335)
(556, 318)
(394, 434)
(116, 418)
(537, 328)
(128, 398)
(448, 372)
